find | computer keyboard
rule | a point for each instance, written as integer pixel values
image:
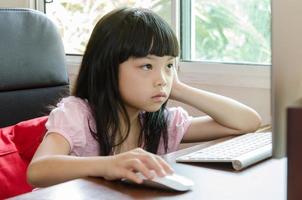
(241, 151)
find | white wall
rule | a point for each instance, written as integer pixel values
(287, 68)
(14, 3)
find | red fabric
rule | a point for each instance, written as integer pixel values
(18, 143)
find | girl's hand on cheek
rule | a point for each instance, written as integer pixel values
(125, 165)
(176, 86)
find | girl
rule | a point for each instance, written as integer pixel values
(117, 120)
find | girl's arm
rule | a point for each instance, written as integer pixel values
(225, 116)
(51, 164)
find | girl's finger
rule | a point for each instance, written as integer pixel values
(152, 163)
(133, 177)
(138, 166)
(165, 165)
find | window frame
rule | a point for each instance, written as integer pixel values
(227, 74)
(218, 73)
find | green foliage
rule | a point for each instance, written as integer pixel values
(76, 18)
(225, 30)
(232, 32)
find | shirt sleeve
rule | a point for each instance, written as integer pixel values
(178, 124)
(68, 119)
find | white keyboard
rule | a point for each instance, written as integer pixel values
(241, 151)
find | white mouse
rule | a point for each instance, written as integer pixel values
(169, 182)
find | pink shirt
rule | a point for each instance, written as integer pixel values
(72, 117)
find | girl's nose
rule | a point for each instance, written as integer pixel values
(160, 79)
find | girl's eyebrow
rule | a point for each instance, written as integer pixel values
(171, 58)
(151, 57)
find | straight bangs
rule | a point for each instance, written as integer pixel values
(146, 34)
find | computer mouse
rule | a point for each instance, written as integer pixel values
(172, 182)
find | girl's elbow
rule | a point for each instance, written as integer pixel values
(254, 123)
(32, 175)
(258, 121)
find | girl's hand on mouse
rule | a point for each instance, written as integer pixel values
(125, 165)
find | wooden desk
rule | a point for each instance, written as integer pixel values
(265, 181)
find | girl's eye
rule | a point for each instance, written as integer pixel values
(147, 67)
(170, 66)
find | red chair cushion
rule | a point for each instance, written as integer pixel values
(18, 144)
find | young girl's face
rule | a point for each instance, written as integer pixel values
(145, 83)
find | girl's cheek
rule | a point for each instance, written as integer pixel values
(170, 83)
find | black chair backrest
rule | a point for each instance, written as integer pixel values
(33, 72)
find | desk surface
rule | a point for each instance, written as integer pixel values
(265, 180)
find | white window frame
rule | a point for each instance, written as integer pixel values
(209, 73)
(218, 73)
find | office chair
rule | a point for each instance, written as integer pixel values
(33, 77)
(33, 74)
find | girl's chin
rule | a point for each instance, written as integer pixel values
(153, 108)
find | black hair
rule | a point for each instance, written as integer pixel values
(120, 34)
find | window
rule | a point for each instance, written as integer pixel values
(228, 31)
(223, 42)
(76, 18)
